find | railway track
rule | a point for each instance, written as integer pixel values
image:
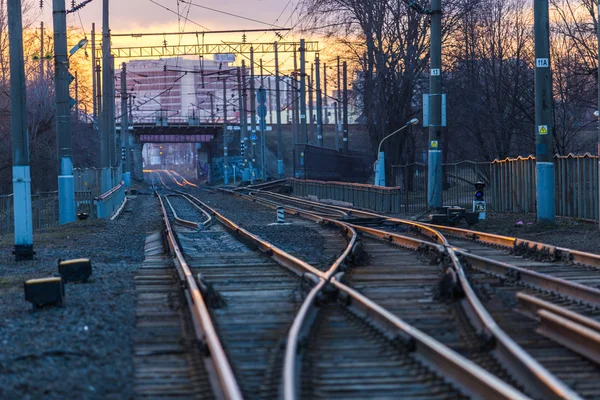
(268, 306)
(539, 295)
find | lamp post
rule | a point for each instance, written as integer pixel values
(380, 163)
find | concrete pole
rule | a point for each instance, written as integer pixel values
(20, 138)
(434, 171)
(66, 183)
(225, 155)
(94, 81)
(242, 116)
(319, 102)
(598, 34)
(100, 115)
(106, 149)
(280, 170)
(252, 109)
(77, 97)
(544, 164)
(42, 57)
(270, 101)
(246, 175)
(212, 107)
(125, 127)
(303, 127)
(338, 114)
(345, 100)
(325, 93)
(311, 109)
(114, 138)
(294, 102)
(263, 133)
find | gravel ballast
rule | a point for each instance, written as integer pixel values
(299, 238)
(84, 349)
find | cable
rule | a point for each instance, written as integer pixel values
(226, 13)
(185, 18)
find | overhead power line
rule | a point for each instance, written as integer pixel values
(226, 13)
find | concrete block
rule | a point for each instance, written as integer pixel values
(77, 270)
(45, 291)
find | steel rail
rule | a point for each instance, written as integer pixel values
(474, 379)
(326, 211)
(471, 377)
(184, 222)
(574, 331)
(189, 198)
(529, 371)
(556, 252)
(227, 382)
(542, 281)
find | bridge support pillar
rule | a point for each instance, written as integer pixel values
(138, 168)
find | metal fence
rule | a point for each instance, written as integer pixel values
(320, 163)
(44, 205)
(510, 187)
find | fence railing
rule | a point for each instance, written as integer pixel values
(44, 210)
(510, 187)
(109, 202)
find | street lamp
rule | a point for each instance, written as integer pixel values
(380, 163)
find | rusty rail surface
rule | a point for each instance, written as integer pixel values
(205, 330)
(537, 379)
(470, 377)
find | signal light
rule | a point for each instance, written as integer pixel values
(479, 186)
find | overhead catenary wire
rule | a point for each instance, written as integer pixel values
(226, 13)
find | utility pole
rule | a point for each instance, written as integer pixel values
(263, 131)
(252, 110)
(114, 140)
(77, 97)
(66, 184)
(270, 101)
(435, 177)
(23, 221)
(246, 175)
(544, 162)
(94, 81)
(212, 107)
(325, 93)
(225, 155)
(125, 127)
(338, 113)
(294, 103)
(280, 171)
(242, 118)
(100, 115)
(345, 100)
(311, 84)
(106, 182)
(303, 127)
(42, 57)
(319, 103)
(598, 35)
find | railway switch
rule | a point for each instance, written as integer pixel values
(77, 270)
(45, 291)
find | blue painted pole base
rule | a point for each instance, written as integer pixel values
(66, 199)
(246, 174)
(380, 170)
(280, 168)
(434, 179)
(23, 221)
(546, 202)
(127, 179)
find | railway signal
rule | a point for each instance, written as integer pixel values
(479, 205)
